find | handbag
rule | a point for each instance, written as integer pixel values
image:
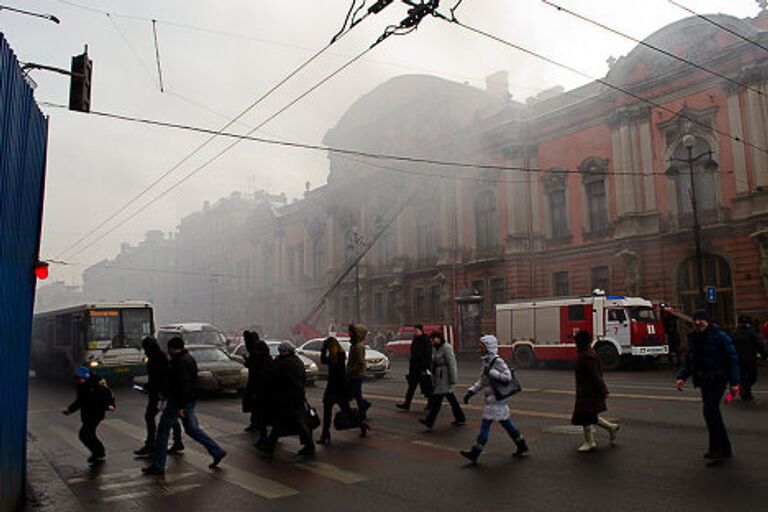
(346, 419)
(425, 383)
(313, 419)
(502, 390)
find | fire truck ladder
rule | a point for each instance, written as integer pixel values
(361, 250)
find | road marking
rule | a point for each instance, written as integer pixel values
(196, 458)
(102, 476)
(169, 477)
(516, 411)
(633, 396)
(69, 438)
(437, 446)
(156, 492)
(331, 471)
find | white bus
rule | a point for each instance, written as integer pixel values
(106, 337)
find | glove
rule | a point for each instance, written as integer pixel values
(468, 397)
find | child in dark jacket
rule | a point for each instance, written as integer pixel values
(93, 400)
(590, 393)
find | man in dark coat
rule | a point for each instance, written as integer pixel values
(711, 360)
(157, 371)
(290, 410)
(180, 404)
(748, 346)
(419, 364)
(93, 400)
(256, 399)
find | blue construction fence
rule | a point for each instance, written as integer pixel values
(23, 145)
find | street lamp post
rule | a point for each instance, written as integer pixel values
(689, 141)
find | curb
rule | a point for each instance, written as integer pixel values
(46, 491)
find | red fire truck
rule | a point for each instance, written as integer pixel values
(544, 330)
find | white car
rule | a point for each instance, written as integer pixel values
(309, 366)
(376, 363)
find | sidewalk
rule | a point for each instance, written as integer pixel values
(46, 491)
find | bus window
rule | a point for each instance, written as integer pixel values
(137, 324)
(104, 326)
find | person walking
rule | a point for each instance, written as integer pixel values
(419, 363)
(157, 372)
(290, 404)
(712, 361)
(748, 347)
(669, 321)
(180, 404)
(356, 372)
(93, 400)
(591, 392)
(336, 389)
(494, 370)
(256, 399)
(444, 376)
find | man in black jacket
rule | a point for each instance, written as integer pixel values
(93, 400)
(157, 370)
(180, 403)
(419, 364)
(748, 346)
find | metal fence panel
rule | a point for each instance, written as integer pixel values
(23, 145)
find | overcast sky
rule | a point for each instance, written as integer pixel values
(236, 50)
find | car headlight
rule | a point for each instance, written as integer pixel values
(93, 363)
(312, 366)
(244, 371)
(205, 374)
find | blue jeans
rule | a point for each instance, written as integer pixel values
(485, 429)
(356, 390)
(191, 428)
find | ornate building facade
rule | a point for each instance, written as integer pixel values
(577, 190)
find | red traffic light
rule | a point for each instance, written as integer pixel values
(41, 270)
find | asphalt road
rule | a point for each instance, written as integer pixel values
(656, 463)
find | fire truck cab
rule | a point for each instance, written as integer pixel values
(544, 330)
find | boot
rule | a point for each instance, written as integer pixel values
(325, 438)
(589, 439)
(472, 454)
(145, 451)
(612, 428)
(522, 447)
(176, 449)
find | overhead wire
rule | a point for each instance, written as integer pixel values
(653, 47)
(718, 25)
(220, 153)
(205, 143)
(604, 83)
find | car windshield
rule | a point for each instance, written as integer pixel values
(642, 314)
(202, 338)
(209, 355)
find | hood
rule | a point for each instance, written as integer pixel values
(286, 347)
(491, 344)
(358, 332)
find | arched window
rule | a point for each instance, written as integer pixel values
(555, 185)
(350, 244)
(593, 173)
(717, 273)
(486, 220)
(318, 257)
(704, 179)
(426, 244)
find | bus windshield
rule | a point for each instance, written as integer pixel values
(642, 314)
(137, 324)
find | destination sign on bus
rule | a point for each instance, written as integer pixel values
(105, 313)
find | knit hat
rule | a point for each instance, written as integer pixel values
(176, 343)
(286, 347)
(491, 344)
(702, 315)
(83, 373)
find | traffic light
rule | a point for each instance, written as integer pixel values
(80, 83)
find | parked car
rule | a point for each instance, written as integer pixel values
(377, 364)
(310, 367)
(216, 370)
(193, 333)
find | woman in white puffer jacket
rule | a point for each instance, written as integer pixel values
(494, 368)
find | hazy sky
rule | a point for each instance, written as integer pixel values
(236, 50)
